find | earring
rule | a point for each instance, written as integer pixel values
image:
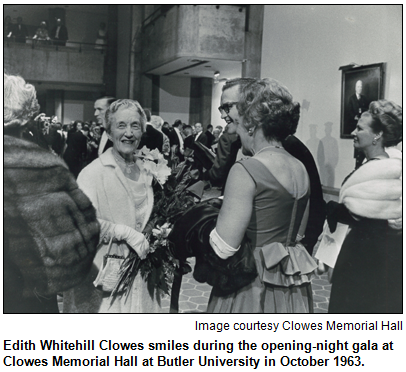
(250, 132)
(374, 142)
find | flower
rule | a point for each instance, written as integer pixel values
(155, 164)
(148, 154)
(162, 232)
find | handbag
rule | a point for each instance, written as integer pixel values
(190, 238)
(109, 274)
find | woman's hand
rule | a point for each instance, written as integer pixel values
(134, 239)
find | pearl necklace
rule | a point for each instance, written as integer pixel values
(267, 147)
(119, 159)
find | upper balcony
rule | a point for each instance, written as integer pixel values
(75, 63)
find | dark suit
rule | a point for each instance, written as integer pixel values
(106, 144)
(20, 33)
(202, 139)
(188, 142)
(152, 139)
(174, 141)
(210, 138)
(356, 108)
(317, 207)
(55, 140)
(227, 149)
(76, 152)
(62, 36)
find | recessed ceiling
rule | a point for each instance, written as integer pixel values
(199, 67)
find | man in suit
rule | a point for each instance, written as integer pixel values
(200, 136)
(209, 135)
(157, 122)
(176, 140)
(189, 139)
(59, 33)
(357, 104)
(100, 107)
(20, 32)
(76, 152)
(151, 138)
(227, 150)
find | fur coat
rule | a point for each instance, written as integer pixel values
(375, 190)
(50, 226)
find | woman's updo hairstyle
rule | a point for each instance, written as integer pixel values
(20, 101)
(387, 118)
(267, 104)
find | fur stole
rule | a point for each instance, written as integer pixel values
(375, 190)
(50, 224)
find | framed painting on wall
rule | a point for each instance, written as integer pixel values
(360, 86)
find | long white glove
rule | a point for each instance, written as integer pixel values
(133, 238)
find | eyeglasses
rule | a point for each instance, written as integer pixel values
(226, 107)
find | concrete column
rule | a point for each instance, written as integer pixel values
(253, 41)
(135, 90)
(155, 94)
(124, 34)
(200, 101)
(110, 62)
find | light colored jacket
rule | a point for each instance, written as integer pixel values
(106, 186)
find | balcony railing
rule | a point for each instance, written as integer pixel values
(55, 45)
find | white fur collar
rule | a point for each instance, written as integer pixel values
(375, 190)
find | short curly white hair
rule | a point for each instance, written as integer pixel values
(20, 101)
(125, 103)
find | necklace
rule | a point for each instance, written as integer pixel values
(267, 147)
(128, 166)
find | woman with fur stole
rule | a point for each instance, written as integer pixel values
(367, 277)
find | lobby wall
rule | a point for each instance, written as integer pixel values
(304, 46)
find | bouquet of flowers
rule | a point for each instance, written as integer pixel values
(171, 200)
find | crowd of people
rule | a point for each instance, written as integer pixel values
(271, 216)
(58, 35)
(18, 32)
(81, 142)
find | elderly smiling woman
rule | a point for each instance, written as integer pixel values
(120, 190)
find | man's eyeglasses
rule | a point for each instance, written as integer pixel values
(226, 107)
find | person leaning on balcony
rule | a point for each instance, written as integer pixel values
(50, 226)
(59, 33)
(19, 31)
(41, 35)
(101, 40)
(7, 27)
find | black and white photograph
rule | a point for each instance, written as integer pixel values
(361, 86)
(199, 159)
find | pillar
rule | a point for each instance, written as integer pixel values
(110, 61)
(200, 101)
(253, 41)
